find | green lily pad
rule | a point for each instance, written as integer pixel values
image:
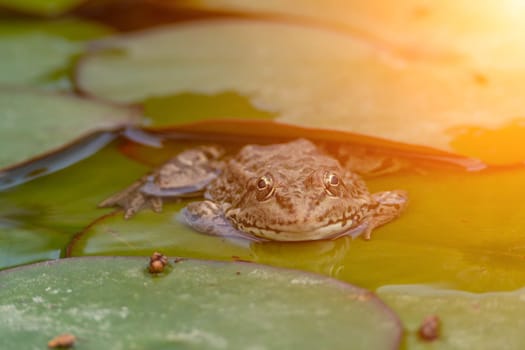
(55, 43)
(461, 230)
(316, 78)
(112, 235)
(32, 123)
(196, 304)
(39, 7)
(468, 320)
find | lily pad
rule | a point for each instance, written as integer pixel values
(468, 320)
(39, 7)
(32, 123)
(315, 78)
(112, 235)
(482, 34)
(196, 304)
(55, 161)
(55, 43)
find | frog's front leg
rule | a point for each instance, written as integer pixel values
(208, 217)
(366, 162)
(186, 175)
(389, 205)
(132, 200)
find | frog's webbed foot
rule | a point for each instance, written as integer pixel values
(207, 217)
(390, 204)
(186, 175)
(132, 200)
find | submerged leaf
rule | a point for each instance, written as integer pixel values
(194, 304)
(149, 231)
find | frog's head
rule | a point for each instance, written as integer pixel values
(309, 203)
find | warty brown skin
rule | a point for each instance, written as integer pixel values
(286, 192)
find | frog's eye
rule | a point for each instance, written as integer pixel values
(331, 183)
(265, 187)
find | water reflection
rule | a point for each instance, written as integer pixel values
(326, 257)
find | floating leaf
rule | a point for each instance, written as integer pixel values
(55, 43)
(480, 34)
(468, 320)
(33, 122)
(55, 161)
(315, 78)
(196, 304)
(39, 7)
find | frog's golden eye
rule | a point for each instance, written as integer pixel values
(331, 183)
(265, 187)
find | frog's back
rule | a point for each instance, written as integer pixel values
(287, 158)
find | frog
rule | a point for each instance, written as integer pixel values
(292, 191)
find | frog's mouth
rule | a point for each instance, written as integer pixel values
(330, 231)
